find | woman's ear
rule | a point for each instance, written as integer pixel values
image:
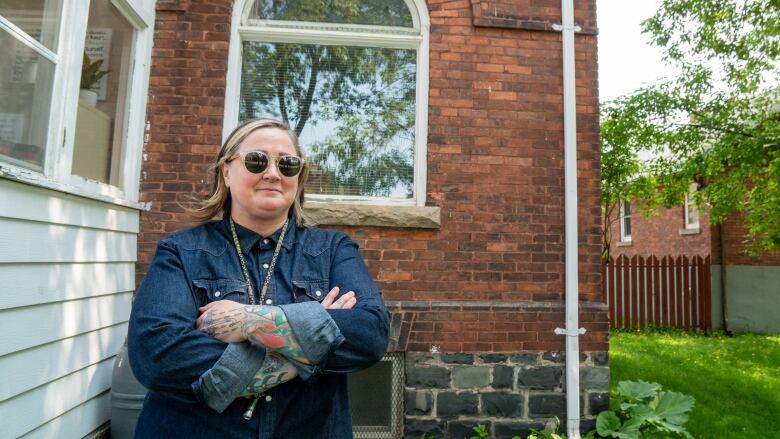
(225, 174)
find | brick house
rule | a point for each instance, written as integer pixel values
(750, 282)
(469, 251)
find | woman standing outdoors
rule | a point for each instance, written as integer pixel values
(239, 329)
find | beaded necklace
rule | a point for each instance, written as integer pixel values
(250, 291)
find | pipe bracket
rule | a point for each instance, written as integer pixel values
(561, 28)
(576, 333)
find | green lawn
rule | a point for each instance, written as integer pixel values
(735, 380)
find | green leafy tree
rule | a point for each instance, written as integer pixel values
(716, 124)
(358, 103)
(623, 177)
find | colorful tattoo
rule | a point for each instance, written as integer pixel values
(274, 371)
(267, 326)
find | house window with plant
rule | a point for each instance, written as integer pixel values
(350, 78)
(72, 99)
(97, 149)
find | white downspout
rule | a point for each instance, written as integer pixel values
(572, 331)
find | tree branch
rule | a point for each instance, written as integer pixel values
(281, 70)
(306, 111)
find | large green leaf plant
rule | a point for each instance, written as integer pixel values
(642, 410)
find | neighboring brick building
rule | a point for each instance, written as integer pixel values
(473, 270)
(751, 282)
(664, 233)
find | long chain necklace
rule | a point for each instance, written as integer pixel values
(247, 279)
(250, 291)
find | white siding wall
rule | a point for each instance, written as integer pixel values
(66, 280)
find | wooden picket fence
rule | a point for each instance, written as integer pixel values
(670, 292)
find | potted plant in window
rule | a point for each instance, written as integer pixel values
(90, 75)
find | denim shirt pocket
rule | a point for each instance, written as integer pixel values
(307, 290)
(211, 290)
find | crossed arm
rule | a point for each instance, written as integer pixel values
(267, 327)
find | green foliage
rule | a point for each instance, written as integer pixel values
(717, 123)
(734, 379)
(378, 12)
(91, 73)
(643, 410)
(480, 432)
(544, 434)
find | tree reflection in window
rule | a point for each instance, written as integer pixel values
(353, 107)
(371, 12)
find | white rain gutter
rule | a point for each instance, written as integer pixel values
(572, 332)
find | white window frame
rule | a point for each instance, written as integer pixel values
(278, 31)
(625, 220)
(690, 202)
(61, 131)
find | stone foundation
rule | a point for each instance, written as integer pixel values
(447, 394)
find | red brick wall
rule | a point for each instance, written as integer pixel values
(495, 168)
(737, 247)
(661, 235)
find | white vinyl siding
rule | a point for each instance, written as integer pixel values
(67, 275)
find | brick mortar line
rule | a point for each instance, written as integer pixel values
(479, 305)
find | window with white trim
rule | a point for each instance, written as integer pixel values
(52, 132)
(350, 78)
(691, 209)
(625, 221)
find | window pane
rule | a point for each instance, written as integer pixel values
(376, 12)
(103, 98)
(25, 100)
(353, 107)
(39, 18)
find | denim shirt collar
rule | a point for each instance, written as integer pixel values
(249, 238)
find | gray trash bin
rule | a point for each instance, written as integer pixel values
(127, 397)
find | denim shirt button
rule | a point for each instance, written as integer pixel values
(265, 265)
(265, 241)
(318, 293)
(217, 293)
(268, 398)
(269, 301)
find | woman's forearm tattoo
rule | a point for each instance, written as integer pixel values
(219, 324)
(274, 371)
(267, 326)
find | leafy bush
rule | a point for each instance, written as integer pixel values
(643, 410)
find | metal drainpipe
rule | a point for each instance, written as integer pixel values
(572, 332)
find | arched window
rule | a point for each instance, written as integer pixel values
(350, 77)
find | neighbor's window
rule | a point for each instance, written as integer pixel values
(691, 210)
(625, 221)
(346, 77)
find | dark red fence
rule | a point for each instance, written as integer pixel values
(670, 292)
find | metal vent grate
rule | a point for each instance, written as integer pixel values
(376, 396)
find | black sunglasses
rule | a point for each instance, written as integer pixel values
(256, 162)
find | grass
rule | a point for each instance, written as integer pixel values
(735, 380)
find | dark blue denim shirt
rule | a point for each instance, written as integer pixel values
(194, 379)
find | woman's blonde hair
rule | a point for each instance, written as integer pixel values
(218, 203)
